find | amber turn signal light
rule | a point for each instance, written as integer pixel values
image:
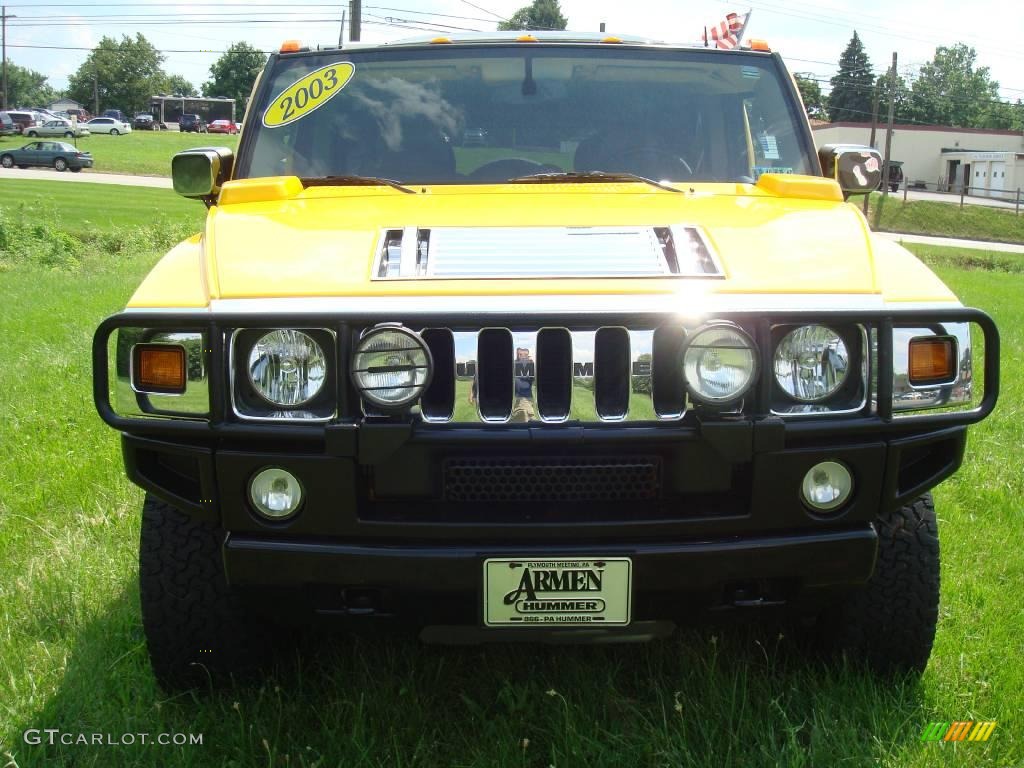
(932, 361)
(159, 368)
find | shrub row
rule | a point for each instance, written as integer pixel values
(30, 238)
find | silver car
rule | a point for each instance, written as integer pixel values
(109, 125)
(57, 127)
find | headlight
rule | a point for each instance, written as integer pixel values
(287, 368)
(391, 367)
(811, 363)
(719, 364)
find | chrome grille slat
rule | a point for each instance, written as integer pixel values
(564, 372)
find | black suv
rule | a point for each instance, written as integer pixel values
(193, 123)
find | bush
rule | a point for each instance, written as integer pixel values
(29, 238)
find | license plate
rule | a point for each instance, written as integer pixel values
(557, 592)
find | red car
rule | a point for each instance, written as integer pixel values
(222, 126)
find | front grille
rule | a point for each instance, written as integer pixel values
(553, 375)
(636, 478)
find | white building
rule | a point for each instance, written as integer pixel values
(991, 161)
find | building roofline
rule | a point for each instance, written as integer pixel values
(926, 128)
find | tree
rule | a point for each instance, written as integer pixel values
(885, 85)
(810, 92)
(176, 85)
(233, 74)
(539, 15)
(950, 91)
(27, 88)
(853, 85)
(123, 74)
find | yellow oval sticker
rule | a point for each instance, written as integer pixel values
(308, 93)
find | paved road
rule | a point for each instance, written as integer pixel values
(85, 176)
(952, 242)
(949, 197)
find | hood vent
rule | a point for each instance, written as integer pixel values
(453, 253)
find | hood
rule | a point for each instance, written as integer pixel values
(325, 241)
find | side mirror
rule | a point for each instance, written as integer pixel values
(199, 173)
(857, 169)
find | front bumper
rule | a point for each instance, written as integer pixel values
(382, 531)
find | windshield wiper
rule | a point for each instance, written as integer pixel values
(354, 181)
(588, 176)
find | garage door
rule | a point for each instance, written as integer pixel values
(998, 178)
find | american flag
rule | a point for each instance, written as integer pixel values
(726, 34)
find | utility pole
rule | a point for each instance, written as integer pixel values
(874, 128)
(888, 141)
(3, 23)
(356, 21)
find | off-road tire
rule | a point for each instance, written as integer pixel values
(890, 623)
(197, 631)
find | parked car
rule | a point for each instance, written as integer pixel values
(144, 121)
(895, 175)
(191, 123)
(117, 114)
(24, 120)
(82, 114)
(58, 127)
(223, 126)
(108, 125)
(709, 413)
(58, 155)
(7, 126)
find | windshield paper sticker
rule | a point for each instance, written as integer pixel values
(307, 94)
(760, 170)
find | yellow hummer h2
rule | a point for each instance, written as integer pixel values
(536, 337)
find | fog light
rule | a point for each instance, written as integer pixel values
(275, 493)
(827, 486)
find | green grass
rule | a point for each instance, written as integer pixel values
(923, 217)
(143, 153)
(72, 654)
(79, 208)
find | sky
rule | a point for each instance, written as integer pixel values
(810, 34)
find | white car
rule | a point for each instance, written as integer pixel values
(57, 127)
(108, 125)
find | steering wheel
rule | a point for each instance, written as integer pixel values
(654, 163)
(510, 167)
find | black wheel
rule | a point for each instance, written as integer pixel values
(32, 134)
(894, 187)
(114, 132)
(76, 170)
(69, 135)
(7, 161)
(60, 164)
(196, 629)
(890, 623)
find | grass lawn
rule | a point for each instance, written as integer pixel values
(72, 654)
(143, 153)
(923, 217)
(80, 208)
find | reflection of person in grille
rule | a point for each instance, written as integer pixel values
(522, 409)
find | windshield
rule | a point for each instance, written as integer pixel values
(484, 115)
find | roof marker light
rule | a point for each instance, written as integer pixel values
(760, 45)
(526, 39)
(441, 41)
(612, 39)
(290, 46)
